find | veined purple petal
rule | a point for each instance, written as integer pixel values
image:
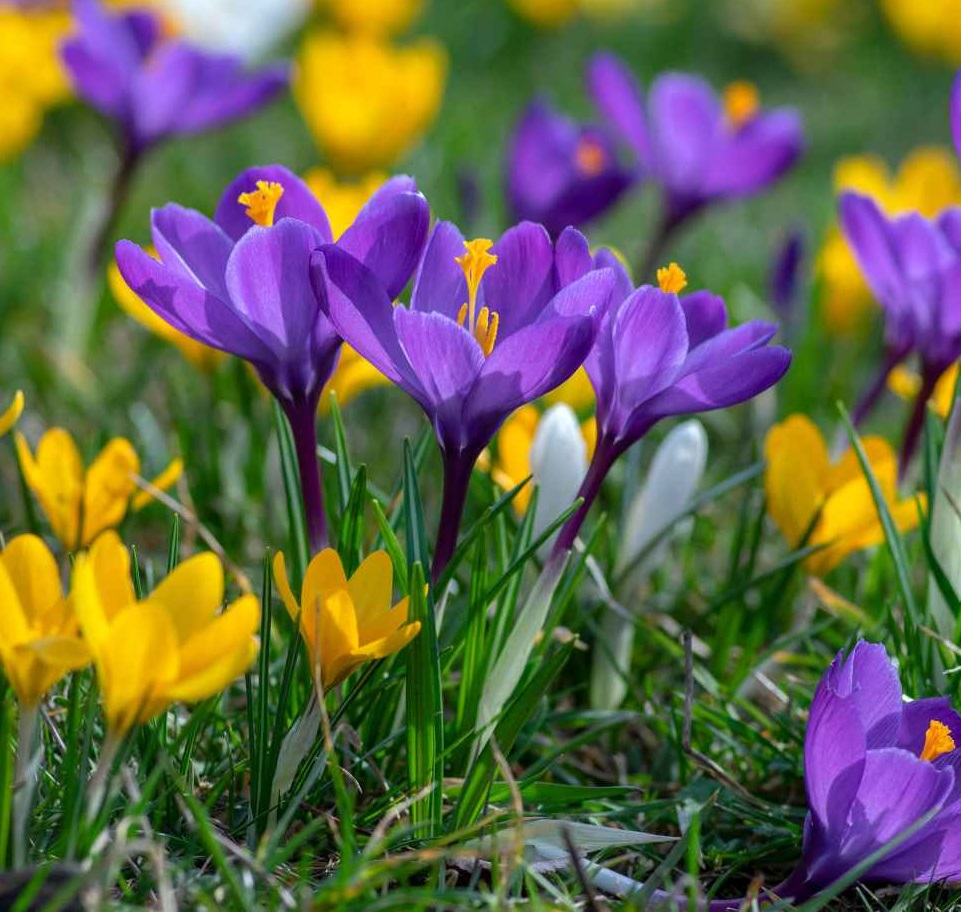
(440, 286)
(705, 316)
(619, 98)
(192, 246)
(949, 222)
(867, 232)
(869, 678)
(607, 259)
(921, 247)
(297, 202)
(388, 237)
(572, 257)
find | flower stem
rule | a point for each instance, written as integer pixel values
(25, 782)
(912, 432)
(872, 395)
(97, 789)
(457, 472)
(670, 221)
(604, 456)
(130, 158)
(303, 425)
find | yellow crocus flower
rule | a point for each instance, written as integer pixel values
(804, 487)
(172, 646)
(81, 503)
(928, 181)
(201, 356)
(907, 384)
(929, 27)
(368, 103)
(346, 622)
(377, 17)
(353, 375)
(39, 637)
(11, 415)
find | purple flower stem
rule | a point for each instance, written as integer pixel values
(130, 159)
(674, 215)
(303, 425)
(457, 471)
(604, 457)
(912, 432)
(872, 395)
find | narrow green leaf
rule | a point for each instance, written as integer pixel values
(298, 550)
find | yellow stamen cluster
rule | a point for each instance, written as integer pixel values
(671, 279)
(590, 157)
(262, 202)
(477, 259)
(741, 102)
(937, 741)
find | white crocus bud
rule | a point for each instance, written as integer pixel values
(252, 29)
(558, 460)
(672, 481)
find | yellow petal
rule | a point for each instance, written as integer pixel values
(9, 418)
(283, 586)
(880, 456)
(383, 624)
(353, 376)
(192, 594)
(337, 632)
(165, 480)
(577, 392)
(55, 475)
(324, 577)
(371, 588)
(111, 564)
(108, 487)
(14, 626)
(36, 578)
(378, 649)
(513, 463)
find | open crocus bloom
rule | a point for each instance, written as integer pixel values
(346, 622)
(489, 328)
(817, 503)
(122, 65)
(699, 148)
(80, 503)
(874, 767)
(39, 636)
(172, 646)
(560, 173)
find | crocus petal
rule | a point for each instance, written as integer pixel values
(388, 237)
(11, 414)
(370, 587)
(619, 98)
(440, 285)
(572, 257)
(214, 653)
(192, 246)
(297, 202)
(919, 714)
(192, 594)
(704, 315)
(108, 487)
(867, 232)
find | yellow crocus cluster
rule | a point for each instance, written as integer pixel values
(346, 622)
(931, 28)
(81, 502)
(928, 182)
(819, 503)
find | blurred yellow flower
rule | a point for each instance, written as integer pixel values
(906, 384)
(928, 181)
(80, 504)
(172, 646)
(577, 392)
(831, 503)
(368, 103)
(198, 354)
(346, 623)
(31, 77)
(11, 415)
(377, 17)
(353, 375)
(342, 200)
(39, 635)
(928, 27)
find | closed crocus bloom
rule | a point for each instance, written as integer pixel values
(874, 767)
(175, 645)
(39, 636)
(561, 173)
(817, 503)
(346, 622)
(12, 413)
(659, 355)
(930, 29)
(241, 283)
(366, 102)
(698, 147)
(157, 87)
(928, 182)
(201, 356)
(376, 17)
(913, 266)
(79, 502)
(489, 328)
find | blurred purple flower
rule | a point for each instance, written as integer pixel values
(241, 283)
(913, 266)
(489, 328)
(154, 87)
(659, 355)
(561, 173)
(784, 283)
(698, 147)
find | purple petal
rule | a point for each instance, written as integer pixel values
(870, 678)
(388, 237)
(868, 233)
(192, 246)
(619, 98)
(297, 202)
(705, 316)
(607, 259)
(950, 224)
(440, 286)
(572, 257)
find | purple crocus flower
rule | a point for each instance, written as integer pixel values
(155, 87)
(913, 266)
(561, 173)
(489, 328)
(659, 355)
(241, 283)
(698, 147)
